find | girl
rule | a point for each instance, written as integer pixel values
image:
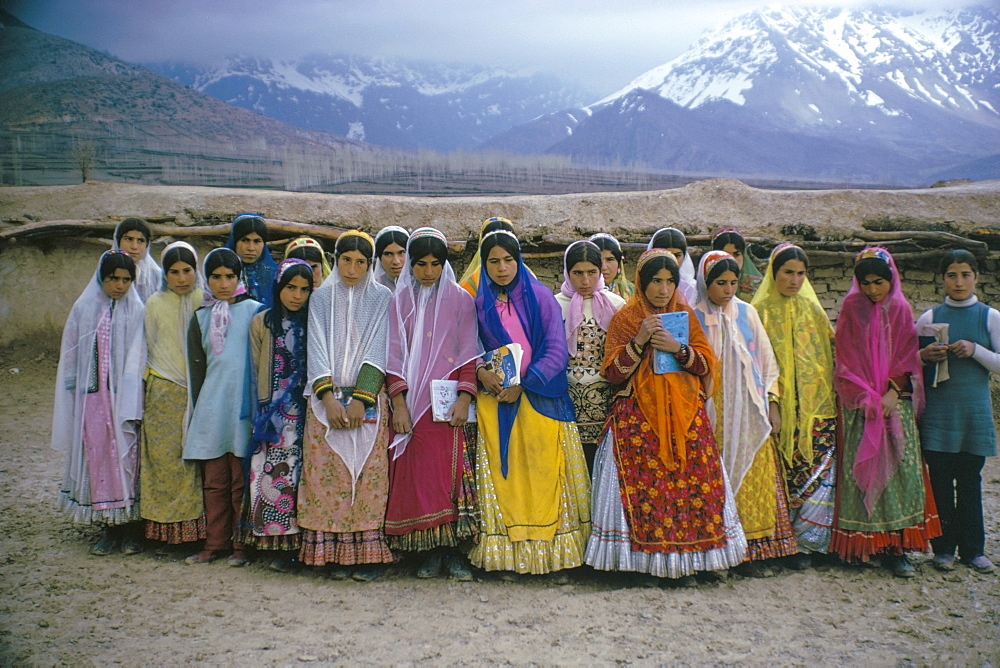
(98, 404)
(613, 265)
(673, 240)
(432, 503)
(308, 249)
(743, 418)
(274, 458)
(170, 486)
(801, 336)
(957, 431)
(883, 505)
(133, 236)
(471, 275)
(221, 400)
(586, 310)
(531, 475)
(662, 503)
(732, 242)
(248, 239)
(345, 473)
(390, 253)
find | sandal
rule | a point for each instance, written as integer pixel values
(203, 557)
(238, 559)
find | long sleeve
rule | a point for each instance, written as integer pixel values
(197, 359)
(624, 364)
(467, 378)
(990, 359)
(369, 383)
(261, 372)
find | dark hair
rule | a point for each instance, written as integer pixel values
(307, 253)
(790, 253)
(610, 244)
(495, 224)
(725, 238)
(958, 256)
(721, 267)
(353, 242)
(669, 238)
(130, 224)
(223, 257)
(872, 265)
(504, 241)
(179, 254)
(426, 245)
(653, 267)
(118, 260)
(385, 239)
(583, 252)
(275, 314)
(249, 223)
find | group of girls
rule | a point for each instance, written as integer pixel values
(290, 408)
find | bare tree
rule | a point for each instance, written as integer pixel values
(84, 154)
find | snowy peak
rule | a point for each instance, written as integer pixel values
(880, 59)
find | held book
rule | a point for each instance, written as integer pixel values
(505, 362)
(934, 332)
(444, 394)
(675, 322)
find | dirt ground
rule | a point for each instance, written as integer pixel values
(59, 605)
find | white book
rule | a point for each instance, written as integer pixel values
(444, 394)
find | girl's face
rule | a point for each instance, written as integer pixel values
(660, 289)
(960, 281)
(583, 277)
(352, 266)
(735, 252)
(134, 243)
(678, 255)
(295, 294)
(427, 270)
(117, 284)
(222, 282)
(501, 266)
(790, 277)
(722, 290)
(874, 287)
(317, 268)
(609, 266)
(393, 260)
(181, 278)
(250, 247)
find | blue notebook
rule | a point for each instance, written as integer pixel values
(675, 322)
(344, 395)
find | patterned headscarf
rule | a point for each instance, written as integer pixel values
(309, 242)
(219, 327)
(601, 304)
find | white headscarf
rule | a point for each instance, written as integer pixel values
(381, 275)
(748, 369)
(688, 286)
(127, 365)
(347, 328)
(147, 273)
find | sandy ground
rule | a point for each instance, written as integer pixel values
(59, 605)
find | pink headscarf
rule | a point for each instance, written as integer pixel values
(602, 305)
(432, 332)
(876, 342)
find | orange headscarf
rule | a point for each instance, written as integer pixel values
(668, 401)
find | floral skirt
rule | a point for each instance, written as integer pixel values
(812, 488)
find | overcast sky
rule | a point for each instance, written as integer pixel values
(601, 44)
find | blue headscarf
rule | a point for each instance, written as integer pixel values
(259, 276)
(544, 381)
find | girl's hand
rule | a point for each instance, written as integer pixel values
(650, 325)
(962, 349)
(355, 413)
(460, 410)
(489, 381)
(665, 341)
(335, 412)
(509, 395)
(934, 352)
(889, 401)
(401, 421)
(774, 416)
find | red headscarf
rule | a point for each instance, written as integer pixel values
(876, 342)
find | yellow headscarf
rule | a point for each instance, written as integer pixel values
(802, 337)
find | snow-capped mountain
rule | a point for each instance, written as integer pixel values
(382, 101)
(835, 93)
